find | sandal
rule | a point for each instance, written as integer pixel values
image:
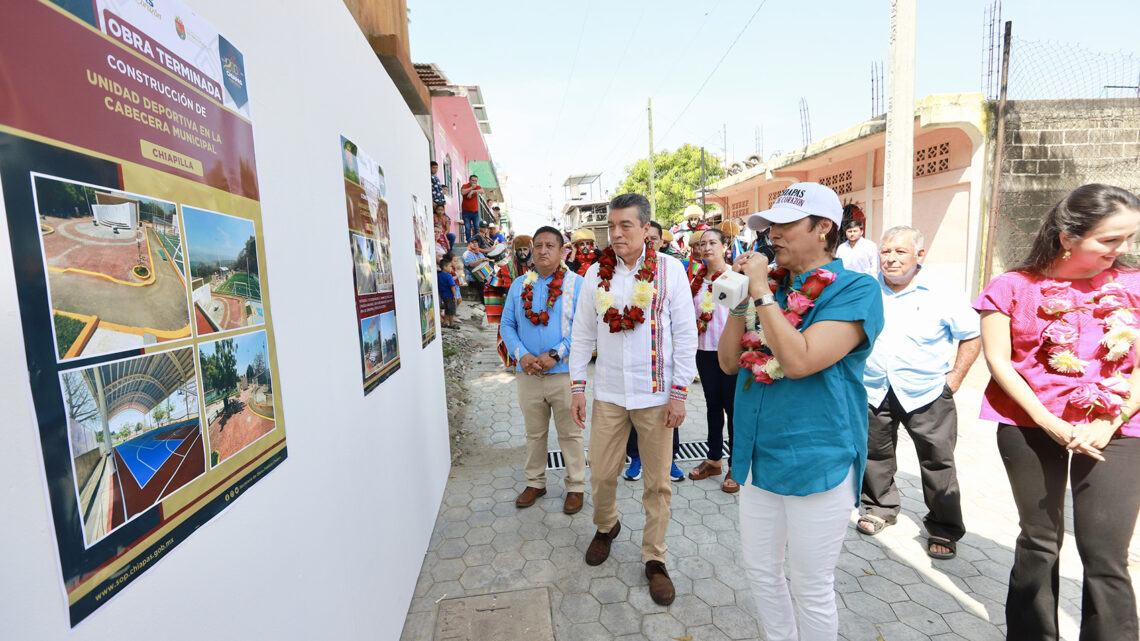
(729, 486)
(944, 542)
(877, 524)
(705, 470)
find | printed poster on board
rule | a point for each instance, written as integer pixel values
(425, 269)
(130, 192)
(365, 194)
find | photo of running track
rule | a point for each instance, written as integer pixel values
(238, 392)
(134, 433)
(115, 268)
(225, 278)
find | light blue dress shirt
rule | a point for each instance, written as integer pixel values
(524, 337)
(802, 436)
(914, 352)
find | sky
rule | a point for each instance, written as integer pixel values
(566, 84)
(212, 237)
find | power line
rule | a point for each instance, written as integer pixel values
(569, 78)
(573, 156)
(714, 69)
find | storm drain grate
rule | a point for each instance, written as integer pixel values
(686, 451)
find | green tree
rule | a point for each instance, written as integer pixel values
(219, 370)
(159, 413)
(248, 256)
(677, 177)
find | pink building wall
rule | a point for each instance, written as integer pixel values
(943, 207)
(456, 136)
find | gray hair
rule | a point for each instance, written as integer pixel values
(916, 236)
(623, 201)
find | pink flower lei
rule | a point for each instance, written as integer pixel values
(756, 357)
(1111, 304)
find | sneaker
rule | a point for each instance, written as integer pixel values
(676, 474)
(633, 472)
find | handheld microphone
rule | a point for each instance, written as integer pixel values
(731, 288)
(768, 252)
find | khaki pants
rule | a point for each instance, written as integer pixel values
(540, 396)
(609, 430)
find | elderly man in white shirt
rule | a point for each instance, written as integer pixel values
(635, 306)
(858, 254)
(910, 381)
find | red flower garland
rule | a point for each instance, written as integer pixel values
(553, 291)
(755, 356)
(630, 316)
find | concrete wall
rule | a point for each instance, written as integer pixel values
(1052, 147)
(330, 544)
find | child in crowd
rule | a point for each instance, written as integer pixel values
(448, 291)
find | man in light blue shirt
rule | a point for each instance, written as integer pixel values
(536, 332)
(910, 380)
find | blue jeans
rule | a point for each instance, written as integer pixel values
(450, 241)
(470, 224)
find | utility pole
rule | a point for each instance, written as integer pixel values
(995, 193)
(724, 130)
(703, 210)
(652, 192)
(898, 187)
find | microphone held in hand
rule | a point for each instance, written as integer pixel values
(768, 252)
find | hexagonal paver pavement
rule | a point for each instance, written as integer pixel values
(886, 585)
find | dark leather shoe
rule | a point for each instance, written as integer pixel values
(529, 496)
(660, 585)
(599, 549)
(573, 503)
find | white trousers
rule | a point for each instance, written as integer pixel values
(811, 530)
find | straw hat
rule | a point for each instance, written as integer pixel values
(582, 234)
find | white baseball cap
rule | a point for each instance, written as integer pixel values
(799, 201)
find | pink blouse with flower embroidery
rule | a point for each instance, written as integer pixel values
(1070, 340)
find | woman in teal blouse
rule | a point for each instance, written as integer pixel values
(801, 409)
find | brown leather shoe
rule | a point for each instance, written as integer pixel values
(705, 470)
(660, 585)
(573, 503)
(599, 549)
(529, 496)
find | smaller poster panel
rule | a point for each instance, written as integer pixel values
(425, 270)
(370, 244)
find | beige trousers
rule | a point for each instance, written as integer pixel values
(609, 427)
(540, 396)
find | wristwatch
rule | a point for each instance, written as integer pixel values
(554, 354)
(766, 299)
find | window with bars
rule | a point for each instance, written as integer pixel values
(773, 196)
(447, 172)
(931, 160)
(740, 208)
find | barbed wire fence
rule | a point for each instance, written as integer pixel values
(1072, 118)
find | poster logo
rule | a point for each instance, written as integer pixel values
(233, 71)
(179, 27)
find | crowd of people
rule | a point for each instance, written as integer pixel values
(837, 344)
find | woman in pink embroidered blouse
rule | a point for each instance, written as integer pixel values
(1060, 334)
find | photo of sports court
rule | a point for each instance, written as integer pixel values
(115, 268)
(224, 274)
(238, 388)
(134, 433)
